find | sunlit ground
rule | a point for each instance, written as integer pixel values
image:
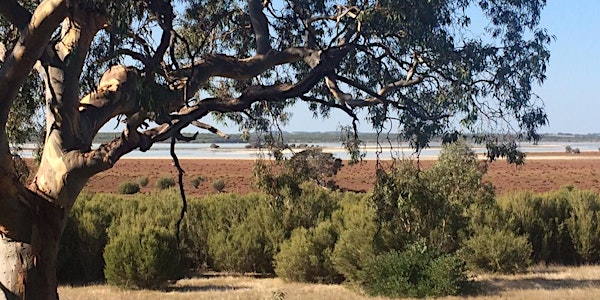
(540, 283)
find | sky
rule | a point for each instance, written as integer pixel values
(571, 92)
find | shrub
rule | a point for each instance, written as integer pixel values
(128, 188)
(497, 251)
(69, 269)
(287, 175)
(240, 232)
(143, 181)
(218, 185)
(195, 236)
(403, 205)
(568, 149)
(456, 179)
(196, 181)
(141, 257)
(542, 219)
(80, 255)
(584, 224)
(448, 276)
(313, 205)
(418, 271)
(441, 205)
(80, 258)
(164, 183)
(305, 257)
(356, 245)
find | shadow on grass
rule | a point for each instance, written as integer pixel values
(496, 286)
(205, 288)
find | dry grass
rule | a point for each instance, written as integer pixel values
(540, 283)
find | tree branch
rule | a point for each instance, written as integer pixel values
(107, 154)
(210, 128)
(164, 13)
(15, 13)
(344, 108)
(240, 69)
(260, 26)
(28, 49)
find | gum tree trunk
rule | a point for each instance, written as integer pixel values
(30, 225)
(30, 230)
(32, 218)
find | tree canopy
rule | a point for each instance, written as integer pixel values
(424, 68)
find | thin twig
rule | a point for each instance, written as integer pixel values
(181, 189)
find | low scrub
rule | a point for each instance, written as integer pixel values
(584, 224)
(143, 181)
(241, 234)
(497, 251)
(218, 185)
(306, 256)
(356, 223)
(141, 258)
(164, 183)
(128, 188)
(196, 181)
(80, 257)
(563, 227)
(418, 271)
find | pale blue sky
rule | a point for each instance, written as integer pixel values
(571, 92)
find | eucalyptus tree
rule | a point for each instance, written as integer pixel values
(425, 68)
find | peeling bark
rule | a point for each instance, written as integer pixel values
(29, 237)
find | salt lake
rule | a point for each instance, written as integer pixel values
(239, 151)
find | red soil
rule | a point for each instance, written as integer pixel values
(541, 172)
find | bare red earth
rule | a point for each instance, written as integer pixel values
(541, 172)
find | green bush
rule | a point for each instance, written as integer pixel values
(497, 251)
(196, 181)
(568, 149)
(403, 206)
(80, 257)
(441, 205)
(356, 223)
(448, 276)
(195, 236)
(287, 175)
(85, 237)
(144, 258)
(143, 181)
(418, 271)
(584, 224)
(218, 185)
(312, 205)
(164, 183)
(128, 188)
(542, 218)
(305, 257)
(240, 232)
(456, 178)
(69, 269)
